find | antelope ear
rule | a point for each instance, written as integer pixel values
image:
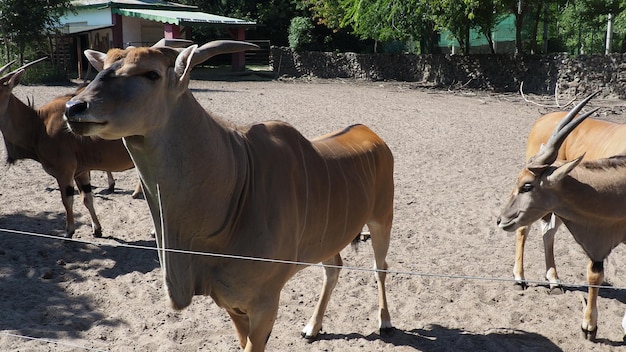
(537, 170)
(183, 63)
(96, 59)
(560, 172)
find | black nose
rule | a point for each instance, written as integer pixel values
(74, 107)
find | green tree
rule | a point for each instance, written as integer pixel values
(300, 33)
(582, 24)
(485, 16)
(567, 23)
(273, 17)
(453, 15)
(26, 22)
(619, 27)
(379, 20)
(329, 13)
(528, 15)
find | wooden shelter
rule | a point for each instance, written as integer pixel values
(102, 25)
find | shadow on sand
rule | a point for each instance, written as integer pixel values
(36, 272)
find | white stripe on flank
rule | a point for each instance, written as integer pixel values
(162, 258)
(306, 186)
(366, 187)
(328, 201)
(345, 179)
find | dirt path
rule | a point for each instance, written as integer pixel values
(457, 155)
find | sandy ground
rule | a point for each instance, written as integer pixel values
(457, 155)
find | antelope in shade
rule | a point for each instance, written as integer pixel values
(595, 139)
(588, 197)
(42, 135)
(262, 191)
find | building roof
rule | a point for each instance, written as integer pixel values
(182, 17)
(149, 4)
(80, 27)
(162, 11)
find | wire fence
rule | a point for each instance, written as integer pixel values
(270, 260)
(50, 341)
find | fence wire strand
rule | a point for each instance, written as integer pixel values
(50, 341)
(269, 260)
(292, 262)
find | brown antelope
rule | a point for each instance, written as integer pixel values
(595, 139)
(42, 135)
(588, 197)
(263, 191)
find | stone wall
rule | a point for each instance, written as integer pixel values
(540, 74)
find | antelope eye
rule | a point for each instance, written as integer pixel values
(526, 187)
(152, 75)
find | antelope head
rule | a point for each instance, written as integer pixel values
(536, 190)
(137, 88)
(11, 80)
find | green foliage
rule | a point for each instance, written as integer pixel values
(300, 33)
(272, 16)
(379, 20)
(583, 24)
(26, 22)
(329, 13)
(453, 15)
(44, 72)
(485, 16)
(385, 25)
(578, 24)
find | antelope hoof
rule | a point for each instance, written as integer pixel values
(97, 233)
(309, 334)
(110, 190)
(556, 290)
(136, 195)
(68, 234)
(589, 335)
(520, 285)
(308, 337)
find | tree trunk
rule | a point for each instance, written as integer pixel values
(7, 48)
(466, 50)
(489, 36)
(518, 34)
(546, 18)
(609, 35)
(533, 36)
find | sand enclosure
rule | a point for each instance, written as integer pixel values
(457, 155)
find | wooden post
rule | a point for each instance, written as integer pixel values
(79, 55)
(238, 61)
(118, 40)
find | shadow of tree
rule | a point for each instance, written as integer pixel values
(431, 338)
(37, 274)
(130, 259)
(36, 299)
